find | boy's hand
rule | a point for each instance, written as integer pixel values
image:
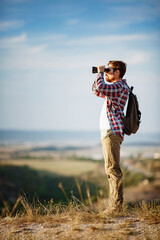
(101, 68)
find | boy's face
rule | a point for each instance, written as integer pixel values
(113, 75)
(110, 76)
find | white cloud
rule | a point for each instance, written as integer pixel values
(65, 41)
(36, 49)
(54, 75)
(133, 14)
(96, 40)
(17, 1)
(7, 42)
(18, 45)
(7, 25)
(50, 39)
(73, 21)
(137, 57)
(46, 57)
(19, 39)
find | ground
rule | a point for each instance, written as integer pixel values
(86, 226)
(77, 219)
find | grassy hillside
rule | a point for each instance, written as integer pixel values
(60, 196)
(44, 185)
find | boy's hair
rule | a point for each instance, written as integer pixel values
(121, 66)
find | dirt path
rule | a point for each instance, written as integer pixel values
(128, 227)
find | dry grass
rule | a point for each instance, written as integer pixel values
(79, 218)
(78, 221)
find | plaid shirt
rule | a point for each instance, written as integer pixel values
(116, 94)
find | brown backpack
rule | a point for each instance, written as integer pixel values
(132, 118)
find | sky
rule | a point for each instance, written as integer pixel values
(47, 50)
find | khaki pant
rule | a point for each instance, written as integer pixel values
(111, 152)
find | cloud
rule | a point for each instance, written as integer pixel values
(40, 59)
(12, 42)
(17, 1)
(64, 40)
(141, 13)
(18, 39)
(43, 56)
(50, 39)
(63, 9)
(96, 40)
(137, 57)
(7, 25)
(73, 21)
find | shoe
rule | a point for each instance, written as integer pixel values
(110, 211)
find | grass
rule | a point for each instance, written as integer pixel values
(61, 166)
(77, 220)
(79, 216)
(15, 180)
(132, 178)
(18, 179)
(57, 206)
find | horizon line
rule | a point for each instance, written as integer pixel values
(68, 130)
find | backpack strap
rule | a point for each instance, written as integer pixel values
(130, 88)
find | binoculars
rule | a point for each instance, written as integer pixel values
(95, 70)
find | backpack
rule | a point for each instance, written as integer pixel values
(132, 118)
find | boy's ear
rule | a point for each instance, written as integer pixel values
(118, 72)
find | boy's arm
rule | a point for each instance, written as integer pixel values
(108, 90)
(96, 92)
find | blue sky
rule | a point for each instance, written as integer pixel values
(47, 49)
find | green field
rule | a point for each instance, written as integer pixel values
(56, 187)
(38, 175)
(40, 179)
(64, 167)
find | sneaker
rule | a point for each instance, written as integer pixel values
(109, 211)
